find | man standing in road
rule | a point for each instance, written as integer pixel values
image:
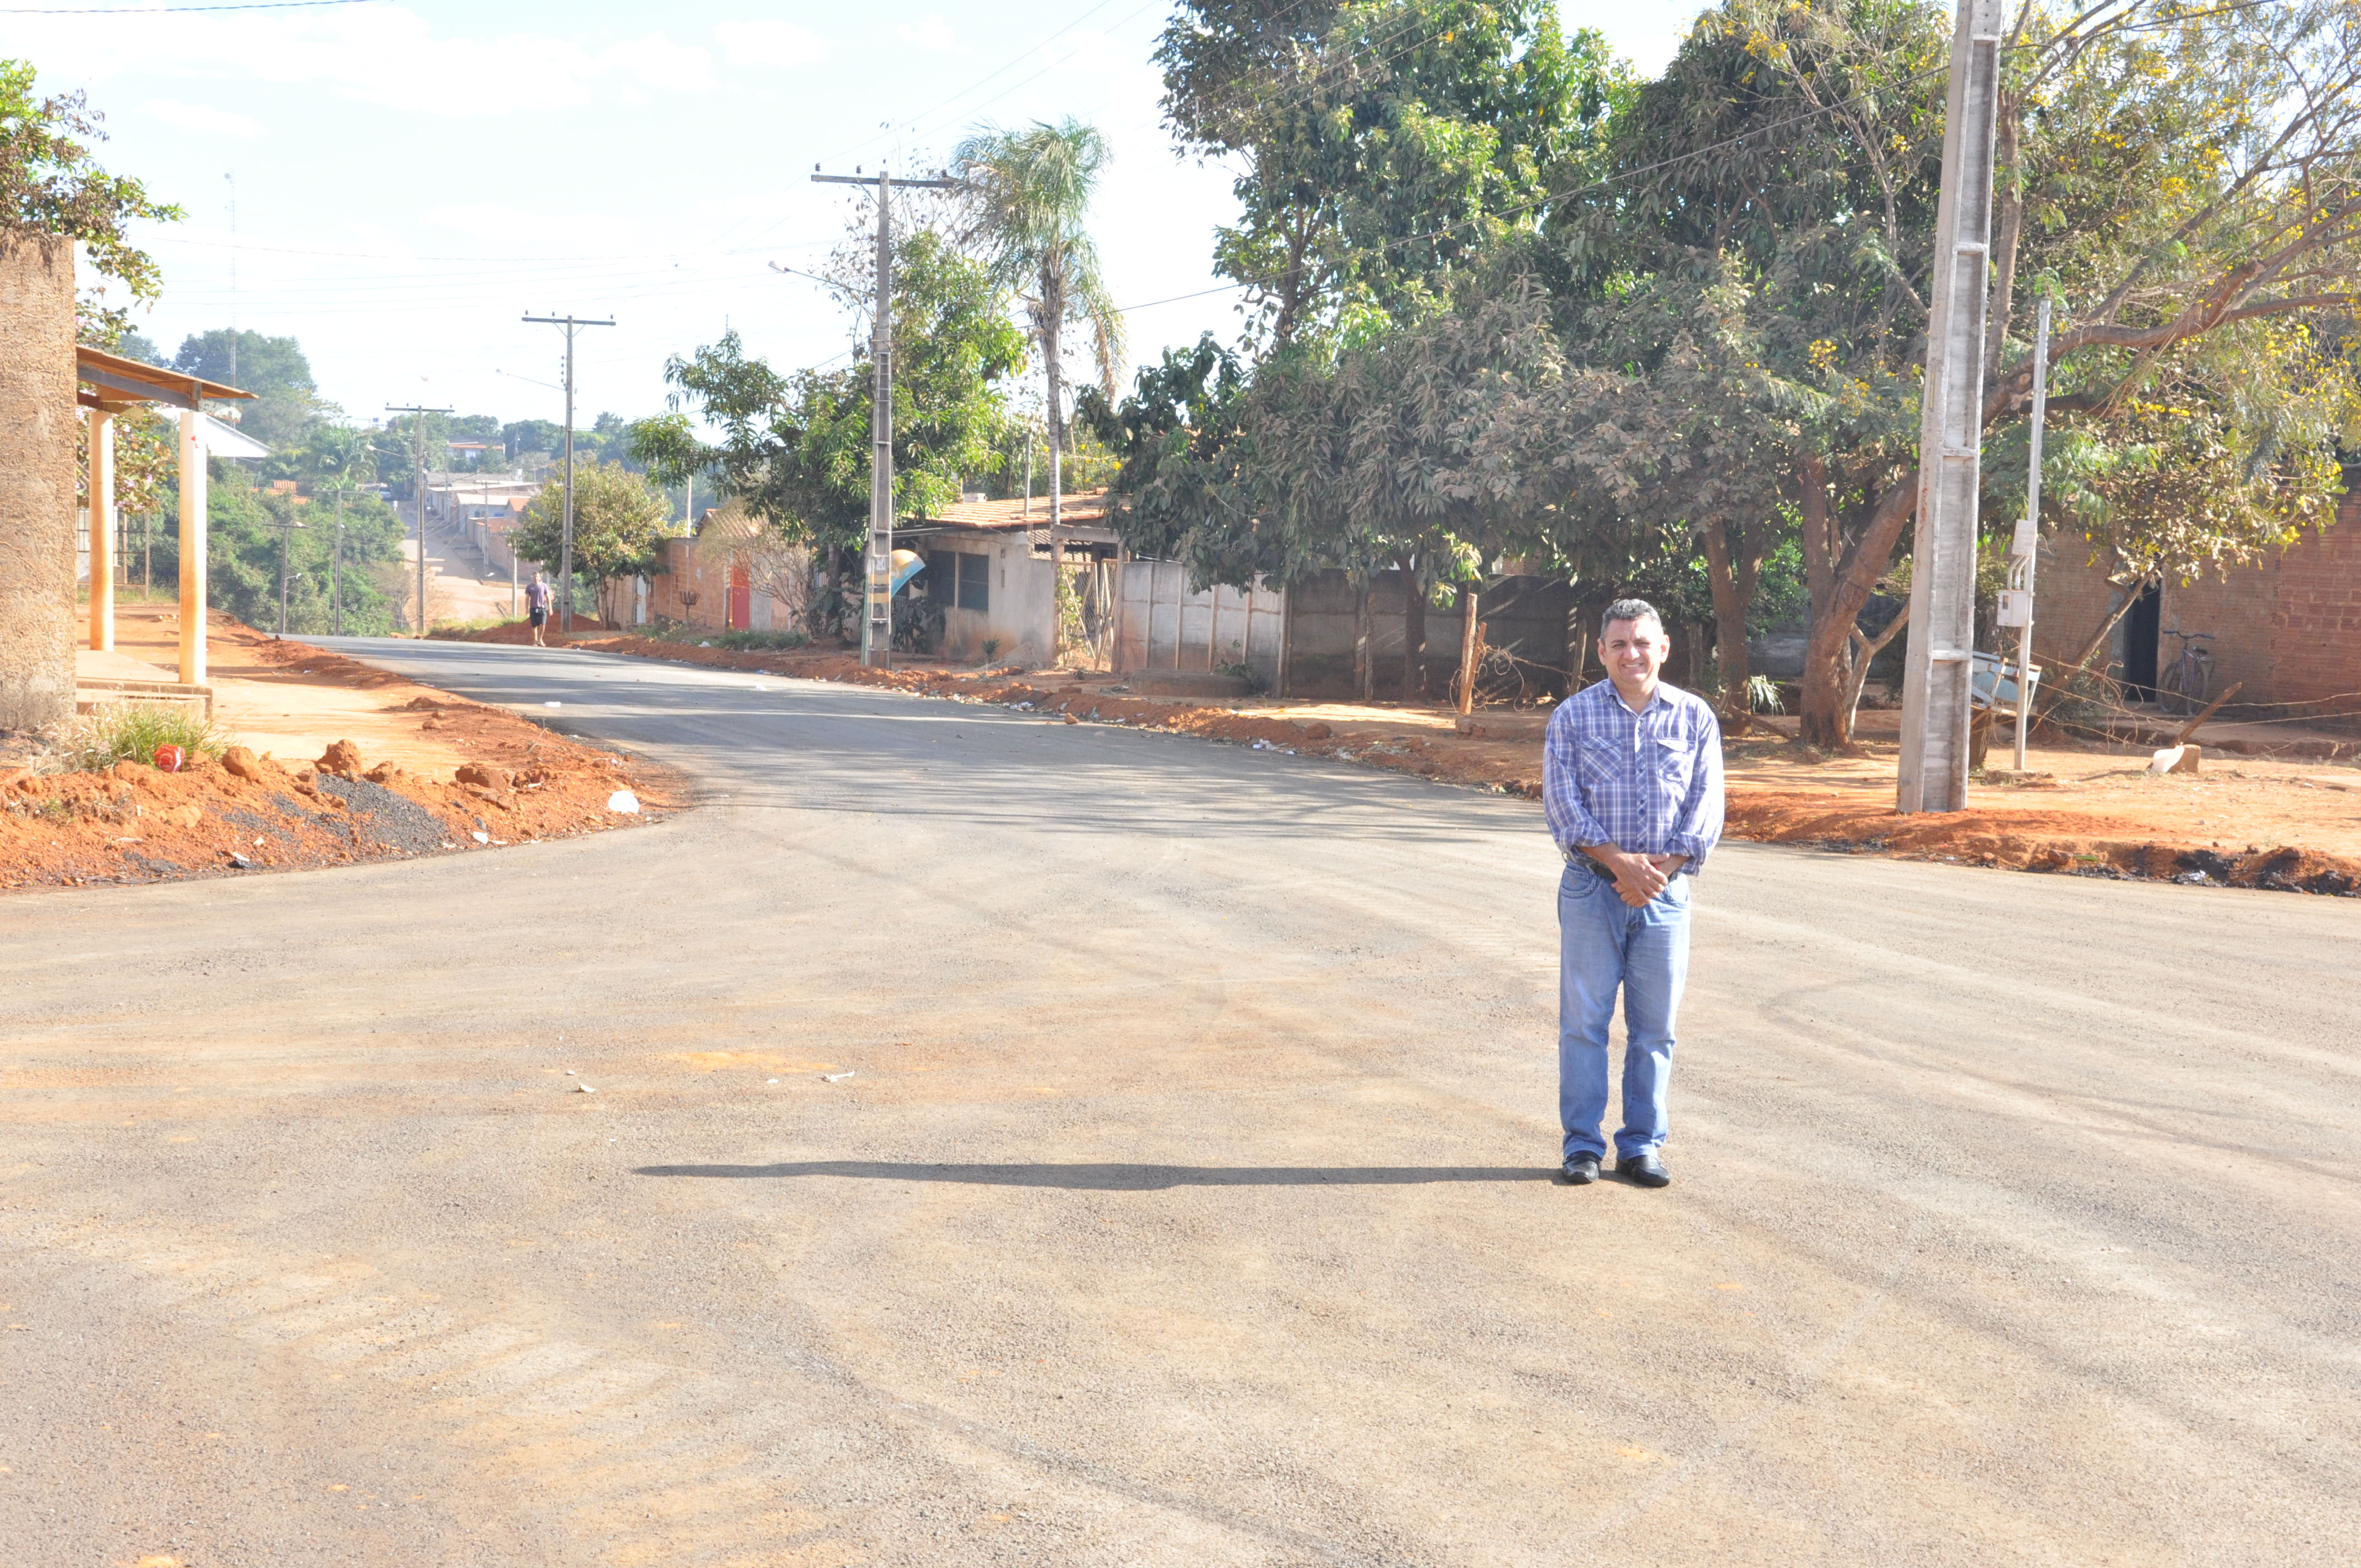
(1631, 781)
(536, 606)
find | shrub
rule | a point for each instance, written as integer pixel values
(132, 731)
(759, 641)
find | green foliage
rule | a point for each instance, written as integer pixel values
(1386, 144)
(617, 521)
(131, 732)
(745, 640)
(50, 184)
(287, 405)
(796, 449)
(241, 558)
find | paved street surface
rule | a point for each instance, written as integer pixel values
(1188, 1203)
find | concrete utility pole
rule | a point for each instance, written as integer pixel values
(418, 463)
(1935, 708)
(877, 619)
(566, 549)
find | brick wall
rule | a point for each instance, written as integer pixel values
(2238, 608)
(2072, 597)
(2316, 623)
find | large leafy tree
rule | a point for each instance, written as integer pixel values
(796, 448)
(618, 519)
(2178, 177)
(1384, 144)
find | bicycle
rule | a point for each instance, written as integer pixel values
(2180, 687)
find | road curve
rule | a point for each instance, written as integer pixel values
(1187, 1201)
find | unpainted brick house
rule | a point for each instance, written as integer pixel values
(2288, 630)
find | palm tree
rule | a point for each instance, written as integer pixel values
(1030, 190)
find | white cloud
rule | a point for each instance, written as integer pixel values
(777, 45)
(929, 32)
(205, 121)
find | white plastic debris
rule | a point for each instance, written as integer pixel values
(569, 1071)
(553, 705)
(770, 1081)
(481, 837)
(835, 1077)
(586, 1088)
(623, 800)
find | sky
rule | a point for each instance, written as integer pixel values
(409, 180)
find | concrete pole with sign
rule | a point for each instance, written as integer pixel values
(1935, 690)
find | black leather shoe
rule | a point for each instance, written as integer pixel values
(1646, 1169)
(1581, 1169)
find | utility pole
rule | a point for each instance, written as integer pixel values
(2016, 600)
(877, 620)
(1934, 689)
(337, 573)
(286, 532)
(418, 480)
(566, 549)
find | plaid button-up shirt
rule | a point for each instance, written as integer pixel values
(1648, 782)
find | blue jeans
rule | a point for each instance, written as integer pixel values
(1604, 944)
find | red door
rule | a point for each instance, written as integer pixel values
(739, 614)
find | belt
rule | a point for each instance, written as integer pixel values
(1576, 858)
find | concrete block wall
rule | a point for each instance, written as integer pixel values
(39, 421)
(1167, 626)
(1526, 616)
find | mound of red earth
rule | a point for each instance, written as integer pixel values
(134, 823)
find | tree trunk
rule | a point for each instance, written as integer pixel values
(1413, 632)
(1866, 649)
(1827, 717)
(1731, 574)
(1369, 640)
(1819, 538)
(1465, 693)
(1056, 450)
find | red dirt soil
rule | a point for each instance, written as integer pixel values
(132, 823)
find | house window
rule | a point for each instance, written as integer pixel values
(967, 580)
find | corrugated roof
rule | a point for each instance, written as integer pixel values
(1088, 507)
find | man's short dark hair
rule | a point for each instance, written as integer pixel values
(1630, 610)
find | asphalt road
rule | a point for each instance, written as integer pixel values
(1188, 1203)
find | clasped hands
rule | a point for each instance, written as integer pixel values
(1638, 877)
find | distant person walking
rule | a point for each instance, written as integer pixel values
(536, 606)
(1632, 781)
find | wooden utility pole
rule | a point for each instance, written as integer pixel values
(877, 615)
(565, 547)
(418, 482)
(1935, 688)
